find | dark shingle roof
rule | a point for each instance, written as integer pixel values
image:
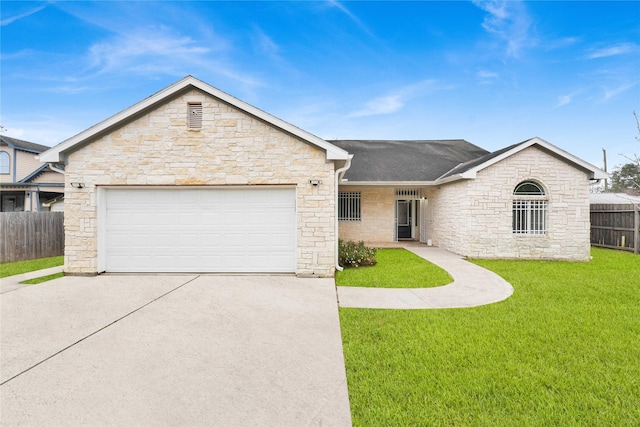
(23, 145)
(422, 160)
(462, 168)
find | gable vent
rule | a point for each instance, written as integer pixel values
(194, 118)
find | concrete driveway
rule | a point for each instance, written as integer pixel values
(173, 350)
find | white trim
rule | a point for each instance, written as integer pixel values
(390, 183)
(101, 218)
(595, 172)
(55, 154)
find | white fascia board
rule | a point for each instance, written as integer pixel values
(54, 154)
(456, 177)
(595, 173)
(389, 183)
(55, 169)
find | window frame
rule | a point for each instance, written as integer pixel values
(5, 169)
(349, 206)
(529, 209)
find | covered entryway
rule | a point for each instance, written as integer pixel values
(198, 230)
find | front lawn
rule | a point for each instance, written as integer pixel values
(20, 267)
(563, 350)
(396, 268)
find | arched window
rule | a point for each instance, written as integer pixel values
(5, 162)
(529, 208)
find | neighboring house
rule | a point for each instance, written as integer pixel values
(25, 183)
(192, 179)
(55, 204)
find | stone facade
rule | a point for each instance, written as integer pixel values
(474, 218)
(231, 148)
(377, 216)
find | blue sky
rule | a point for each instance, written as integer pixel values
(491, 72)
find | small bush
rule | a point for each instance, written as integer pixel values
(351, 254)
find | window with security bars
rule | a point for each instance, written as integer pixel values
(194, 117)
(349, 206)
(529, 209)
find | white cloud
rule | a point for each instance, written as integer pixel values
(568, 98)
(610, 93)
(381, 105)
(395, 101)
(31, 11)
(158, 50)
(154, 44)
(563, 100)
(620, 49)
(560, 43)
(354, 18)
(266, 44)
(487, 77)
(509, 21)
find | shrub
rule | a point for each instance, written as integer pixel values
(351, 254)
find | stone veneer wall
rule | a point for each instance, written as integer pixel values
(232, 148)
(377, 216)
(474, 218)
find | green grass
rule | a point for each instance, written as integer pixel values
(19, 267)
(42, 279)
(396, 268)
(564, 350)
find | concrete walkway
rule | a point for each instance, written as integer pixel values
(472, 286)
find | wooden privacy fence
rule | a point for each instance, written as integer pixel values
(616, 226)
(31, 235)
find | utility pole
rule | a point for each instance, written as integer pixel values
(604, 156)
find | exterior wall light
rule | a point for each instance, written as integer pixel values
(77, 184)
(315, 182)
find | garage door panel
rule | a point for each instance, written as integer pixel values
(200, 230)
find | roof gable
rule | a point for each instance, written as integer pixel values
(469, 169)
(36, 173)
(56, 154)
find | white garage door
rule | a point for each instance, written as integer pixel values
(200, 230)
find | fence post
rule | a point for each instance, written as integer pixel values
(636, 229)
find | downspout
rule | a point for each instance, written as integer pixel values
(339, 174)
